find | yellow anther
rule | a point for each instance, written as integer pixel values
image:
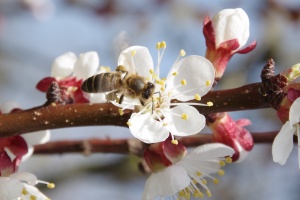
(51, 185)
(154, 76)
(209, 103)
(175, 142)
(161, 82)
(133, 52)
(24, 191)
(182, 52)
(221, 172)
(228, 160)
(197, 97)
(151, 71)
(162, 89)
(198, 194)
(158, 45)
(164, 79)
(194, 181)
(204, 181)
(175, 73)
(184, 116)
(32, 197)
(207, 83)
(163, 44)
(129, 124)
(183, 82)
(216, 181)
(208, 193)
(121, 111)
(198, 173)
(222, 163)
(181, 193)
(187, 195)
(165, 124)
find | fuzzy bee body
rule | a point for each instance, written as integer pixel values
(129, 85)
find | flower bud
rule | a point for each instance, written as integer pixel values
(231, 24)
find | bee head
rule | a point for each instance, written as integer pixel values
(149, 90)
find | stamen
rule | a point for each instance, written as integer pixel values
(222, 163)
(216, 181)
(228, 160)
(24, 191)
(204, 181)
(198, 194)
(182, 52)
(51, 185)
(198, 173)
(158, 45)
(175, 142)
(183, 82)
(209, 103)
(151, 71)
(197, 97)
(184, 116)
(121, 112)
(221, 172)
(32, 197)
(129, 124)
(207, 83)
(175, 73)
(163, 44)
(208, 193)
(133, 53)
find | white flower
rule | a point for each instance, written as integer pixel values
(21, 186)
(31, 139)
(63, 65)
(189, 78)
(231, 24)
(186, 177)
(283, 142)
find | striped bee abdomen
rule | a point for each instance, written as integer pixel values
(104, 82)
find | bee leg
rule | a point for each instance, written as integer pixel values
(142, 102)
(122, 69)
(121, 99)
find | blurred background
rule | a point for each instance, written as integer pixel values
(34, 32)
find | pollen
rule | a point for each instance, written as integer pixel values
(24, 191)
(183, 82)
(175, 142)
(121, 111)
(51, 185)
(197, 97)
(175, 73)
(151, 71)
(221, 172)
(204, 181)
(158, 45)
(133, 53)
(198, 173)
(163, 44)
(209, 103)
(208, 193)
(129, 124)
(228, 160)
(32, 197)
(165, 124)
(216, 181)
(207, 83)
(182, 52)
(198, 194)
(184, 116)
(222, 163)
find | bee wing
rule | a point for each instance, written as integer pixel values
(121, 42)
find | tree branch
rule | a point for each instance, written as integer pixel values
(125, 146)
(73, 115)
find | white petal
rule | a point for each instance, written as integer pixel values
(10, 189)
(146, 129)
(180, 127)
(142, 60)
(37, 137)
(294, 114)
(8, 106)
(86, 65)
(230, 24)
(63, 65)
(32, 190)
(167, 182)
(283, 144)
(211, 151)
(95, 98)
(197, 71)
(29, 178)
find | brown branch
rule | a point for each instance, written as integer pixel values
(73, 115)
(125, 146)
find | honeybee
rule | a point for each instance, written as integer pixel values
(129, 85)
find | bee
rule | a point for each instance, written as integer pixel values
(120, 82)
